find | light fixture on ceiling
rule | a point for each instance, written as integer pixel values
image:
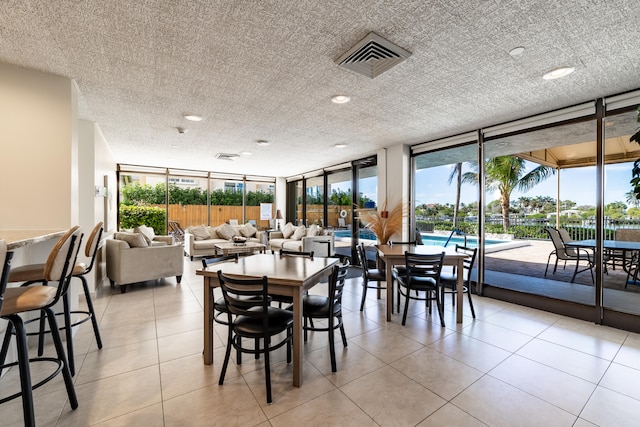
(246, 153)
(517, 52)
(340, 99)
(340, 145)
(558, 73)
(182, 130)
(192, 117)
(263, 142)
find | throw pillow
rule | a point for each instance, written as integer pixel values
(147, 232)
(248, 230)
(135, 240)
(313, 230)
(200, 232)
(299, 233)
(287, 230)
(213, 234)
(226, 231)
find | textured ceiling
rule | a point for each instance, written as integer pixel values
(266, 70)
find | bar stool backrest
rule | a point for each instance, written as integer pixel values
(5, 262)
(91, 248)
(59, 265)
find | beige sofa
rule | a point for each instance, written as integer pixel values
(314, 238)
(131, 261)
(201, 240)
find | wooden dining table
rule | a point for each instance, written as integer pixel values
(394, 255)
(288, 276)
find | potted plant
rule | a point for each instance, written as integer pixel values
(384, 222)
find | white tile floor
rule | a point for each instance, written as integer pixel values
(510, 366)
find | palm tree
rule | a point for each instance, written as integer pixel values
(456, 172)
(505, 174)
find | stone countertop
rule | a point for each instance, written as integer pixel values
(18, 238)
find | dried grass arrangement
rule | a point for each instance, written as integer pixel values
(385, 223)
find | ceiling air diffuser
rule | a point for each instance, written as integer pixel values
(372, 56)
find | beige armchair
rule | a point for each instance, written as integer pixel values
(127, 264)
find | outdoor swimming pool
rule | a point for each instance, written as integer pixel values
(491, 245)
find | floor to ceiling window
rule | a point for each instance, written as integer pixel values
(258, 194)
(142, 200)
(340, 199)
(314, 200)
(187, 199)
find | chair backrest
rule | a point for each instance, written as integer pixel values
(336, 284)
(206, 262)
(245, 297)
(362, 258)
(469, 261)
(554, 235)
(93, 242)
(285, 252)
(628, 234)
(62, 259)
(423, 268)
(5, 264)
(564, 235)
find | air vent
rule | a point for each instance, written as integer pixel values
(226, 156)
(372, 56)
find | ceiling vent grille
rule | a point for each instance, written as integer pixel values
(226, 156)
(372, 56)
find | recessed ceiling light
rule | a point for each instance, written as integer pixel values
(246, 153)
(516, 52)
(263, 142)
(558, 72)
(340, 145)
(340, 99)
(192, 117)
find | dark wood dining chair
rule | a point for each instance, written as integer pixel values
(422, 275)
(250, 316)
(328, 307)
(373, 275)
(449, 278)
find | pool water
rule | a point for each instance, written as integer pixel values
(430, 240)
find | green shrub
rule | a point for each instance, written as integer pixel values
(133, 216)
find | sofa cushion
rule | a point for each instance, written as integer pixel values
(135, 240)
(292, 245)
(213, 233)
(206, 244)
(288, 230)
(313, 230)
(200, 232)
(248, 230)
(226, 231)
(147, 232)
(299, 233)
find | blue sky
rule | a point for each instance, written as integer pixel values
(577, 184)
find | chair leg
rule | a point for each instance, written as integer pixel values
(332, 345)
(23, 365)
(227, 355)
(94, 321)
(365, 286)
(304, 328)
(267, 368)
(68, 333)
(342, 333)
(440, 308)
(473, 312)
(5, 344)
(406, 307)
(66, 373)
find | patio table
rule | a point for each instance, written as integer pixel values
(620, 245)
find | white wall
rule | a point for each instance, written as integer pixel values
(394, 169)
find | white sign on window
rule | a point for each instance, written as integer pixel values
(266, 210)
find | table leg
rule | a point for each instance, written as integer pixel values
(297, 338)
(459, 290)
(208, 321)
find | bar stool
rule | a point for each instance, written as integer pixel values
(34, 273)
(30, 298)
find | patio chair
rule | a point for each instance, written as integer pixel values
(176, 231)
(565, 253)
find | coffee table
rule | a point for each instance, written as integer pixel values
(230, 248)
